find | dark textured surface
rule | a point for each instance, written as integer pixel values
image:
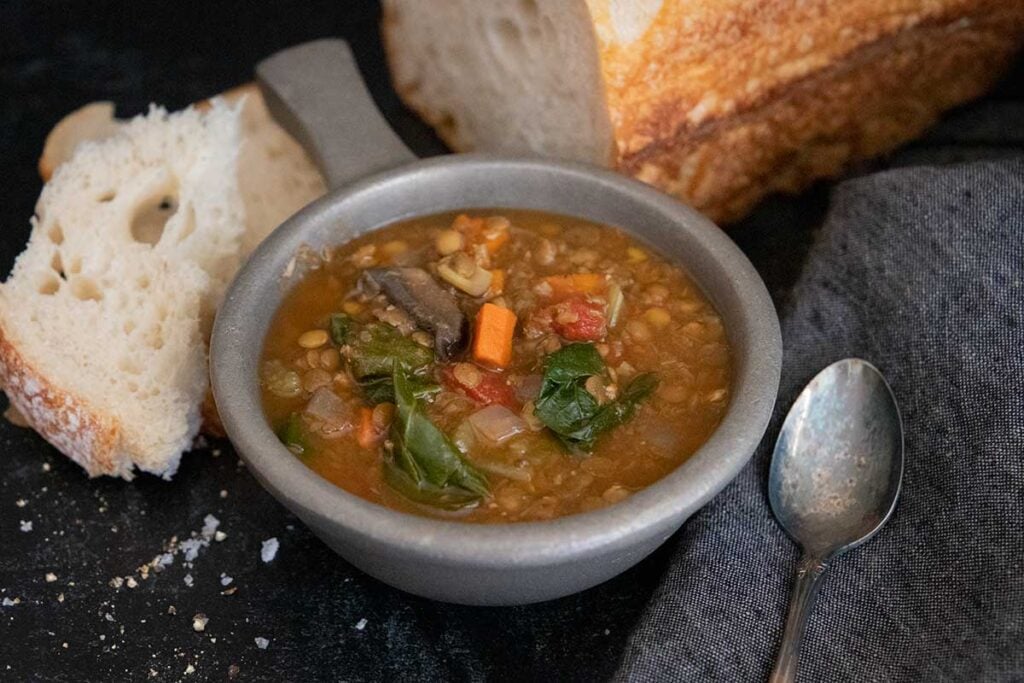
(307, 602)
(921, 272)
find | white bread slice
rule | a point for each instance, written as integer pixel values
(718, 102)
(274, 178)
(102, 320)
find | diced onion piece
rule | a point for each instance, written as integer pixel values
(475, 284)
(615, 302)
(334, 415)
(497, 423)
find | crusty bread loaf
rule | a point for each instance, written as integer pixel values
(105, 317)
(718, 102)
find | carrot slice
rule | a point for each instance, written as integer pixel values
(563, 286)
(492, 337)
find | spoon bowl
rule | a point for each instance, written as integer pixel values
(835, 478)
(838, 462)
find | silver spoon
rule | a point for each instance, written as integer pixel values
(834, 481)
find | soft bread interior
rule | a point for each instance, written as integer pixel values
(134, 240)
(516, 76)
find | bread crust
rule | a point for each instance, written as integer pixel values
(721, 102)
(73, 427)
(877, 98)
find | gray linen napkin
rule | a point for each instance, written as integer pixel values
(921, 272)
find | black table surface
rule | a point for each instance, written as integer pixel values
(68, 543)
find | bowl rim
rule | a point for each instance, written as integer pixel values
(658, 508)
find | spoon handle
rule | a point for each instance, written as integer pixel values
(805, 589)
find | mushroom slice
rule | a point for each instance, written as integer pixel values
(418, 294)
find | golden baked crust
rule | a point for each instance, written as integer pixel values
(724, 101)
(86, 436)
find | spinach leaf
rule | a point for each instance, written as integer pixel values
(292, 433)
(380, 389)
(424, 464)
(371, 350)
(375, 347)
(341, 327)
(570, 411)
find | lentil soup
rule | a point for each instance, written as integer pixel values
(495, 367)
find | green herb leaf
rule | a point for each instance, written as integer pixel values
(570, 411)
(371, 352)
(433, 469)
(374, 348)
(381, 389)
(292, 433)
(341, 327)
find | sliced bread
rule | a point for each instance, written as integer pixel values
(134, 240)
(105, 317)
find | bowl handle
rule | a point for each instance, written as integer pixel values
(315, 92)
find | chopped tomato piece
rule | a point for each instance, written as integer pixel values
(486, 388)
(578, 319)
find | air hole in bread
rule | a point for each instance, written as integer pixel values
(56, 234)
(189, 224)
(154, 337)
(85, 289)
(49, 285)
(75, 267)
(142, 282)
(507, 35)
(129, 366)
(107, 196)
(57, 265)
(151, 218)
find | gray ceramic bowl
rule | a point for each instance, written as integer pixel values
(470, 563)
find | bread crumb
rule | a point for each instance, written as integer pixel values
(229, 591)
(131, 582)
(210, 524)
(50, 577)
(261, 643)
(189, 670)
(46, 467)
(188, 580)
(199, 622)
(361, 624)
(60, 598)
(219, 536)
(171, 609)
(116, 582)
(233, 671)
(269, 549)
(64, 645)
(225, 580)
(21, 502)
(7, 602)
(223, 493)
(25, 526)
